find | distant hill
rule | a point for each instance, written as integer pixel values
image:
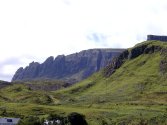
(71, 68)
(4, 84)
(35, 91)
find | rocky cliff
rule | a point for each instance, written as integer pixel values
(133, 53)
(71, 68)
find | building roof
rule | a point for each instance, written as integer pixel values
(9, 120)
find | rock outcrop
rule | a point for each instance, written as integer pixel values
(131, 54)
(116, 63)
(71, 68)
(163, 63)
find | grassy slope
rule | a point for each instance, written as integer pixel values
(135, 88)
(136, 80)
(136, 93)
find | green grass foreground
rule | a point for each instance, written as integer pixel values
(117, 114)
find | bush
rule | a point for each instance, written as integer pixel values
(77, 119)
(30, 120)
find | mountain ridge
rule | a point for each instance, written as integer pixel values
(72, 68)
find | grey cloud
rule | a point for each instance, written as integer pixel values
(67, 2)
(5, 77)
(97, 37)
(141, 37)
(13, 61)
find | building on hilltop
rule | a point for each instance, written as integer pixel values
(156, 37)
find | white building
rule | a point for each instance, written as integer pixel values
(9, 121)
(51, 122)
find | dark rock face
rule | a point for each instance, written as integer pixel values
(163, 63)
(137, 51)
(71, 68)
(131, 54)
(116, 63)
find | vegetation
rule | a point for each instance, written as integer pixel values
(136, 94)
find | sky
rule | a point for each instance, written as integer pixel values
(32, 30)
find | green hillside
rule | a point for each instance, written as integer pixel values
(138, 80)
(36, 91)
(132, 90)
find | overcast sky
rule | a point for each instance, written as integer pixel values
(32, 30)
